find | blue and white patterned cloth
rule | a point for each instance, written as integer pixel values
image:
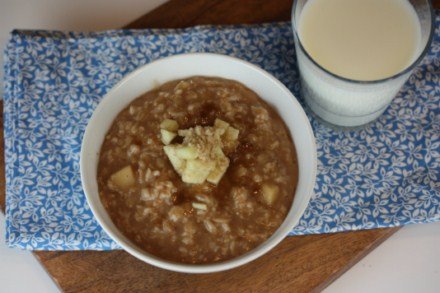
(387, 174)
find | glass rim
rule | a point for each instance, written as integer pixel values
(376, 81)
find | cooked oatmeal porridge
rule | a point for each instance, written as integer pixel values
(198, 170)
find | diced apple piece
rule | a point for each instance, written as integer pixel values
(220, 126)
(218, 123)
(217, 151)
(269, 193)
(196, 171)
(170, 125)
(186, 152)
(124, 178)
(230, 139)
(184, 132)
(216, 175)
(222, 164)
(231, 134)
(177, 162)
(167, 136)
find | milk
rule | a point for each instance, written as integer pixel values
(360, 40)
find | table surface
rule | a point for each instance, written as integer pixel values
(303, 263)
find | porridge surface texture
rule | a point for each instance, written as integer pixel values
(197, 223)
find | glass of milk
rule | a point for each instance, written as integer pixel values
(355, 55)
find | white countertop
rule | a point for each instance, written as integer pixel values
(20, 271)
(407, 262)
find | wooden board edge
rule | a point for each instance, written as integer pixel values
(373, 245)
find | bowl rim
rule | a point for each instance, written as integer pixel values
(247, 257)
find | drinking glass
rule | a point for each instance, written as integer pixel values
(350, 103)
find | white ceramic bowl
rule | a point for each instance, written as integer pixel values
(182, 66)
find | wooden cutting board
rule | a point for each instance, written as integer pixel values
(299, 264)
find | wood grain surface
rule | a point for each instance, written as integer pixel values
(298, 264)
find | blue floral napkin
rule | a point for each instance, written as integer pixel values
(387, 174)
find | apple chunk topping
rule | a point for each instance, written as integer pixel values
(123, 179)
(168, 129)
(200, 157)
(270, 193)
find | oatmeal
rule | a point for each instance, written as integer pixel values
(198, 170)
